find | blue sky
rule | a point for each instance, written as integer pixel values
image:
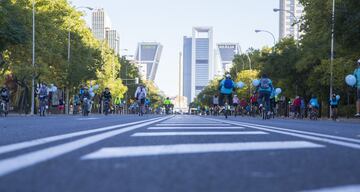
(167, 21)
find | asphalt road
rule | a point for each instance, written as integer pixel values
(177, 153)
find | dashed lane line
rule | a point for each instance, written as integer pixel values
(195, 128)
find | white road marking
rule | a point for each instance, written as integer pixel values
(348, 188)
(191, 133)
(191, 124)
(35, 142)
(12, 164)
(135, 151)
(184, 128)
(85, 119)
(300, 134)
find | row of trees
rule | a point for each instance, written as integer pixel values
(303, 67)
(90, 59)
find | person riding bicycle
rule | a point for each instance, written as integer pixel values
(226, 88)
(140, 96)
(314, 104)
(5, 94)
(334, 103)
(43, 92)
(357, 76)
(264, 89)
(235, 104)
(106, 98)
(167, 104)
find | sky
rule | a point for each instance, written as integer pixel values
(167, 21)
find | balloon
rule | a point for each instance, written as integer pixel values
(350, 80)
(54, 89)
(256, 82)
(96, 87)
(338, 97)
(91, 89)
(278, 91)
(92, 94)
(240, 84)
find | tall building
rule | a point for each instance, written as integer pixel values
(148, 57)
(198, 65)
(187, 69)
(287, 20)
(113, 40)
(100, 22)
(227, 52)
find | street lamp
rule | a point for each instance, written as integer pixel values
(332, 53)
(296, 20)
(259, 30)
(33, 62)
(68, 58)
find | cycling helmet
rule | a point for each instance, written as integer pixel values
(358, 62)
(228, 76)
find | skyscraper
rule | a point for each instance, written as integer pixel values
(202, 59)
(100, 22)
(227, 52)
(287, 20)
(148, 57)
(198, 65)
(113, 40)
(187, 69)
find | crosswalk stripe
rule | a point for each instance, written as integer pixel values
(192, 133)
(192, 124)
(184, 128)
(134, 151)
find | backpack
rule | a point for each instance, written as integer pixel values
(141, 94)
(265, 83)
(228, 84)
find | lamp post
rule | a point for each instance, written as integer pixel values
(265, 31)
(68, 58)
(332, 53)
(296, 21)
(33, 62)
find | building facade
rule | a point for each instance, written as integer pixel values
(100, 23)
(198, 64)
(287, 21)
(148, 58)
(113, 40)
(227, 52)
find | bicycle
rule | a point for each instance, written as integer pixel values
(334, 115)
(42, 106)
(86, 107)
(313, 113)
(106, 107)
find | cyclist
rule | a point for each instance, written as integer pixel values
(357, 76)
(236, 103)
(76, 103)
(334, 103)
(85, 98)
(226, 88)
(253, 104)
(117, 104)
(106, 97)
(43, 95)
(5, 98)
(140, 96)
(167, 104)
(147, 105)
(216, 104)
(314, 107)
(265, 88)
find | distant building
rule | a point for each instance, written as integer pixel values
(148, 57)
(113, 40)
(227, 51)
(287, 20)
(100, 22)
(187, 68)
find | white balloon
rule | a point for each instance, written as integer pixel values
(338, 97)
(350, 80)
(240, 84)
(91, 89)
(256, 82)
(96, 87)
(278, 91)
(54, 89)
(92, 94)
